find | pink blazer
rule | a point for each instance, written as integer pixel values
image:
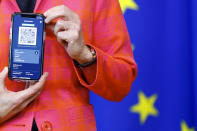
(64, 103)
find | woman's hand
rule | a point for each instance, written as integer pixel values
(68, 32)
(13, 102)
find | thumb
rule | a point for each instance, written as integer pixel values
(3, 76)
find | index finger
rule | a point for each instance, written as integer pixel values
(3, 75)
(56, 12)
(33, 89)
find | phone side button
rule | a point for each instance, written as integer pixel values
(10, 35)
(44, 35)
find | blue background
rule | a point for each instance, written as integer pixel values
(164, 34)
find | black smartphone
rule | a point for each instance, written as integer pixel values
(26, 52)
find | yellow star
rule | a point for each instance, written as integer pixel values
(145, 107)
(184, 127)
(128, 4)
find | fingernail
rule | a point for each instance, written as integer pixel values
(46, 73)
(5, 68)
(46, 21)
(45, 13)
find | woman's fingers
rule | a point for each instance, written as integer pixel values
(61, 12)
(13, 102)
(21, 106)
(3, 76)
(68, 36)
(41, 82)
(57, 12)
(32, 90)
(68, 31)
(65, 25)
(59, 26)
(54, 9)
(29, 94)
(26, 102)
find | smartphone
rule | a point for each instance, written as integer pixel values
(26, 51)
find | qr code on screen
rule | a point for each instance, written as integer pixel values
(27, 35)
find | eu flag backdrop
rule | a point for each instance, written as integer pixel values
(164, 95)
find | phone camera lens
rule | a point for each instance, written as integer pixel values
(36, 52)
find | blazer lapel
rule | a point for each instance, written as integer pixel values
(37, 5)
(15, 5)
(18, 9)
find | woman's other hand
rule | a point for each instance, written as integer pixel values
(69, 33)
(13, 102)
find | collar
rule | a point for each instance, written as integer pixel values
(17, 8)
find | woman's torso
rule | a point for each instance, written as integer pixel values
(64, 102)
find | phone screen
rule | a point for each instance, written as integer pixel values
(26, 53)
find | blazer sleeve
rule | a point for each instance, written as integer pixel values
(115, 70)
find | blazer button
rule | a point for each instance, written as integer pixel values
(46, 126)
